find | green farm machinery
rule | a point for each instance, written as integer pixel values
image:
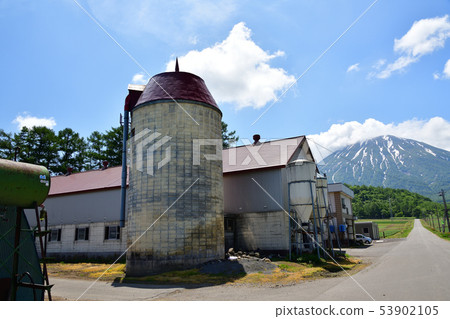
(23, 273)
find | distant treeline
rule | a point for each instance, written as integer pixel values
(66, 148)
(378, 202)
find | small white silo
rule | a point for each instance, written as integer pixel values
(301, 178)
(302, 187)
(322, 195)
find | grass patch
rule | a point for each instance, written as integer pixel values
(445, 236)
(307, 266)
(86, 270)
(393, 228)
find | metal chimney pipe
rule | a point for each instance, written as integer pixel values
(124, 170)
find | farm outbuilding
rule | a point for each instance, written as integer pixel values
(369, 229)
(83, 215)
(256, 193)
(186, 200)
(84, 208)
(340, 198)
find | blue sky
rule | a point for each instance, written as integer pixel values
(388, 74)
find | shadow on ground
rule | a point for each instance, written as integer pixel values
(216, 272)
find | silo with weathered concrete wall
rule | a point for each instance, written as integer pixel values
(175, 194)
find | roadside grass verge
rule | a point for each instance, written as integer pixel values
(85, 270)
(287, 272)
(393, 228)
(429, 227)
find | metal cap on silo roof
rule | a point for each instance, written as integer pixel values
(169, 86)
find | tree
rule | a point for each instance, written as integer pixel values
(373, 202)
(72, 151)
(95, 150)
(228, 137)
(23, 141)
(38, 145)
(113, 145)
(6, 145)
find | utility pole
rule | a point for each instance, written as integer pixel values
(390, 208)
(438, 220)
(442, 193)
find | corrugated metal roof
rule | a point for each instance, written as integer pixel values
(86, 181)
(178, 86)
(265, 155)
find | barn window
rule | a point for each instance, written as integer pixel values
(366, 230)
(112, 232)
(55, 235)
(229, 224)
(82, 233)
(343, 203)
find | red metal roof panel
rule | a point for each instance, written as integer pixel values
(265, 155)
(86, 181)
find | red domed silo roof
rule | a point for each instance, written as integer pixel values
(177, 85)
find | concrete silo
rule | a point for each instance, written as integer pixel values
(175, 194)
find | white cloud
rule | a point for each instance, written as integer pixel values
(446, 72)
(399, 64)
(139, 78)
(424, 37)
(353, 67)
(30, 121)
(193, 39)
(237, 70)
(376, 68)
(170, 21)
(379, 64)
(435, 131)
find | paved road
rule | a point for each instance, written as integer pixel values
(416, 268)
(72, 289)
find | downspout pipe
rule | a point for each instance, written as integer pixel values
(134, 92)
(290, 221)
(124, 169)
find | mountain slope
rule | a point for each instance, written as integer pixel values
(393, 162)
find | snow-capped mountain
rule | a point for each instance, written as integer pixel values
(393, 162)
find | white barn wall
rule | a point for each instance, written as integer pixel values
(75, 208)
(96, 210)
(96, 246)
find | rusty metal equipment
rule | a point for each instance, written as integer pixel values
(21, 276)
